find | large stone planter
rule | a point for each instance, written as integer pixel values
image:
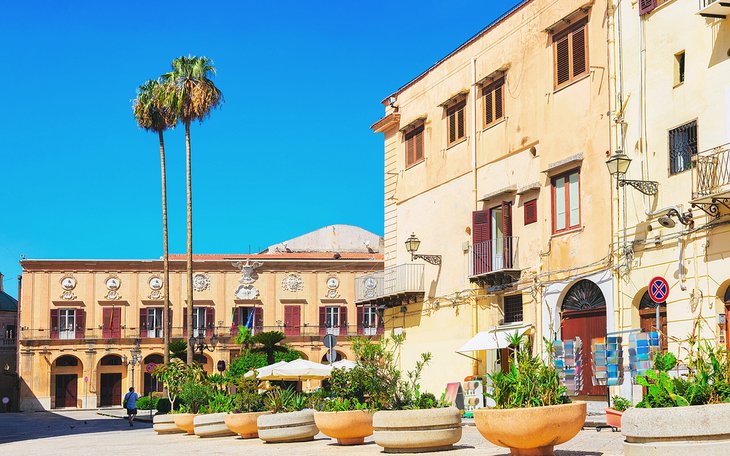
(531, 431)
(244, 424)
(287, 427)
(185, 422)
(697, 429)
(211, 425)
(613, 418)
(417, 431)
(165, 424)
(349, 428)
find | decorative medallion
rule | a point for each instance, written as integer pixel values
(247, 292)
(68, 283)
(292, 282)
(201, 281)
(248, 271)
(112, 284)
(370, 285)
(155, 284)
(333, 284)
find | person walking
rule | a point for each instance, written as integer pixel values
(130, 403)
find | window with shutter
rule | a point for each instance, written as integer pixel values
(360, 321)
(292, 320)
(210, 321)
(480, 232)
(55, 318)
(530, 211)
(414, 145)
(570, 52)
(646, 6)
(455, 122)
(566, 201)
(80, 324)
(493, 99)
(322, 321)
(343, 321)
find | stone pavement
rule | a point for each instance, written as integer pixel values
(87, 433)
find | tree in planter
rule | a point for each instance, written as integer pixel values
(194, 395)
(174, 375)
(270, 343)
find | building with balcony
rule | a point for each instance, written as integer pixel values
(8, 329)
(671, 117)
(494, 164)
(82, 319)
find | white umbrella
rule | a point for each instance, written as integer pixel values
(344, 364)
(264, 371)
(300, 369)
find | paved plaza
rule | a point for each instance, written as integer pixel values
(88, 433)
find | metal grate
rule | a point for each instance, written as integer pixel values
(682, 147)
(513, 308)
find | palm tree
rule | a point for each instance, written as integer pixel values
(195, 96)
(153, 112)
(244, 338)
(269, 342)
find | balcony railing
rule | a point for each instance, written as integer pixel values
(7, 344)
(714, 8)
(493, 255)
(711, 173)
(393, 281)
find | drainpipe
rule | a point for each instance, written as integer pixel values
(473, 147)
(680, 275)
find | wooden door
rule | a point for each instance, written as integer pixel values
(110, 390)
(586, 325)
(292, 320)
(66, 393)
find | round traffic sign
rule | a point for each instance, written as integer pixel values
(659, 289)
(150, 367)
(329, 340)
(331, 356)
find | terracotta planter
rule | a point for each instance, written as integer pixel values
(417, 431)
(677, 431)
(349, 428)
(165, 424)
(211, 425)
(531, 431)
(185, 422)
(244, 424)
(613, 418)
(287, 427)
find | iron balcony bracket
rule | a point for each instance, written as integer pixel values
(433, 259)
(646, 187)
(710, 209)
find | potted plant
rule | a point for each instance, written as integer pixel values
(289, 421)
(614, 413)
(173, 376)
(211, 421)
(532, 412)
(193, 394)
(248, 406)
(682, 412)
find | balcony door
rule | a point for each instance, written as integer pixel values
(154, 322)
(67, 324)
(492, 239)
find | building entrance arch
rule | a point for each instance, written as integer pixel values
(110, 370)
(66, 372)
(151, 384)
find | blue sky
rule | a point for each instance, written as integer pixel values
(288, 152)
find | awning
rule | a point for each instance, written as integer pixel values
(494, 338)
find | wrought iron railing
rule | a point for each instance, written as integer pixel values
(705, 3)
(404, 278)
(711, 173)
(493, 255)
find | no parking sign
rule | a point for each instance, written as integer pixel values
(659, 289)
(150, 367)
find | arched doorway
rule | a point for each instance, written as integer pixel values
(584, 316)
(65, 373)
(110, 380)
(205, 362)
(151, 384)
(647, 318)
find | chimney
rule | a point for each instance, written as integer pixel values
(1, 282)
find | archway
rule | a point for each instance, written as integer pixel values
(584, 316)
(66, 372)
(151, 384)
(205, 362)
(109, 381)
(647, 318)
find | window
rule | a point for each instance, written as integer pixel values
(67, 324)
(493, 99)
(414, 145)
(513, 308)
(154, 322)
(370, 321)
(570, 52)
(566, 201)
(202, 320)
(332, 320)
(455, 122)
(10, 331)
(678, 68)
(682, 147)
(250, 317)
(530, 211)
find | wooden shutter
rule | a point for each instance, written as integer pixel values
(292, 320)
(209, 321)
(142, 322)
(360, 315)
(235, 318)
(380, 322)
(452, 124)
(419, 144)
(488, 105)
(530, 211)
(481, 234)
(578, 38)
(499, 100)
(343, 320)
(258, 319)
(414, 145)
(54, 323)
(106, 324)
(185, 322)
(410, 150)
(507, 233)
(562, 61)
(646, 6)
(322, 318)
(80, 323)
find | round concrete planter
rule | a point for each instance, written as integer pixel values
(531, 431)
(211, 425)
(613, 418)
(185, 422)
(165, 424)
(349, 428)
(417, 431)
(696, 429)
(287, 427)
(244, 424)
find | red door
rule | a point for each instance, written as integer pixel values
(111, 390)
(586, 325)
(727, 325)
(66, 390)
(292, 320)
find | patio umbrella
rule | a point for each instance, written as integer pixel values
(300, 369)
(344, 364)
(264, 371)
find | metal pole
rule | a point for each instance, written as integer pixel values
(658, 327)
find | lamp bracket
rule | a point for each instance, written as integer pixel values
(646, 187)
(433, 259)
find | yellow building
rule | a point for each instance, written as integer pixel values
(495, 161)
(671, 116)
(92, 328)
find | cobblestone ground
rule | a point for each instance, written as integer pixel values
(87, 433)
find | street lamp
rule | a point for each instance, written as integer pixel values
(618, 164)
(136, 357)
(197, 344)
(412, 244)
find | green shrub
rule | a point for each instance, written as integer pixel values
(163, 406)
(143, 403)
(621, 404)
(194, 395)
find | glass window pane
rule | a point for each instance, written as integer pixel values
(559, 204)
(574, 199)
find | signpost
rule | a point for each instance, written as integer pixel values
(330, 341)
(659, 292)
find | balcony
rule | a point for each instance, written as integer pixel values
(493, 263)
(718, 9)
(7, 344)
(711, 179)
(390, 287)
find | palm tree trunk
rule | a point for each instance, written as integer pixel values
(166, 325)
(188, 164)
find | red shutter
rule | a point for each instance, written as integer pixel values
(360, 321)
(507, 233)
(54, 323)
(322, 318)
(480, 242)
(234, 321)
(530, 211)
(380, 323)
(292, 320)
(185, 322)
(117, 323)
(646, 6)
(106, 324)
(142, 322)
(209, 321)
(80, 323)
(343, 320)
(258, 319)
